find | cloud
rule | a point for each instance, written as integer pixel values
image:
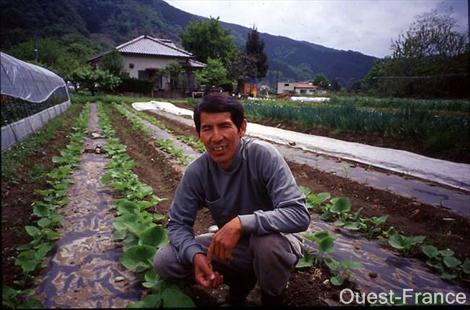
(365, 26)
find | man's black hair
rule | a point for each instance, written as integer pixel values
(216, 103)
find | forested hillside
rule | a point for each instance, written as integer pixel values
(106, 23)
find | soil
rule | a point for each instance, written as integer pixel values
(17, 198)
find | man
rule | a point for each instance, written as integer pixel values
(253, 199)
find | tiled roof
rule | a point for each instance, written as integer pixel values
(147, 45)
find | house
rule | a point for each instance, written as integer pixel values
(144, 58)
(297, 88)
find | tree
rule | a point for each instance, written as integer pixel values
(95, 80)
(113, 63)
(243, 68)
(432, 34)
(207, 39)
(321, 80)
(254, 48)
(214, 74)
(173, 69)
(428, 60)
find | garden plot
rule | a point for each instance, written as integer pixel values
(423, 191)
(85, 272)
(382, 270)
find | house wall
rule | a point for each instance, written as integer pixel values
(306, 91)
(144, 62)
(283, 87)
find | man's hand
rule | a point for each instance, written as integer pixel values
(225, 240)
(204, 274)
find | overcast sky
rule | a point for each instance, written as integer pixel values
(366, 26)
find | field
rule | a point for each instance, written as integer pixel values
(139, 172)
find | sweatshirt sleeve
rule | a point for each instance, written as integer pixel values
(183, 213)
(290, 214)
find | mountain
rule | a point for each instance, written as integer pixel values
(111, 22)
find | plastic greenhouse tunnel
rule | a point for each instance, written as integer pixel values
(31, 96)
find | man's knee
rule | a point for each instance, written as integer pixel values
(270, 246)
(166, 264)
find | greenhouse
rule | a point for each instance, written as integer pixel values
(31, 96)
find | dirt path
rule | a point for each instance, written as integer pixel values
(85, 271)
(383, 269)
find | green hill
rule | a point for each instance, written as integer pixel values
(111, 22)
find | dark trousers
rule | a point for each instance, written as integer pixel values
(268, 259)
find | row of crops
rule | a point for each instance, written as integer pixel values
(45, 232)
(360, 115)
(140, 232)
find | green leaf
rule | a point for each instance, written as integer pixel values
(41, 209)
(377, 221)
(33, 231)
(321, 235)
(351, 264)
(430, 251)
(341, 205)
(119, 234)
(326, 245)
(446, 252)
(153, 236)
(151, 276)
(339, 223)
(27, 261)
(138, 258)
(337, 280)
(44, 222)
(396, 241)
(42, 250)
(51, 234)
(332, 263)
(306, 261)
(137, 228)
(149, 301)
(448, 276)
(173, 297)
(126, 206)
(466, 266)
(352, 226)
(451, 262)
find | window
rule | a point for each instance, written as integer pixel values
(287, 84)
(131, 66)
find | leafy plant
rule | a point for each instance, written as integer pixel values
(141, 237)
(403, 243)
(341, 269)
(445, 262)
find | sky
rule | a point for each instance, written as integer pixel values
(366, 26)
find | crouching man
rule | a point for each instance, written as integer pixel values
(252, 197)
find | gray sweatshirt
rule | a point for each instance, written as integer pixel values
(258, 187)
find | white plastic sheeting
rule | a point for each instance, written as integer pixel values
(310, 99)
(456, 175)
(26, 81)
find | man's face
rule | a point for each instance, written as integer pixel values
(220, 136)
